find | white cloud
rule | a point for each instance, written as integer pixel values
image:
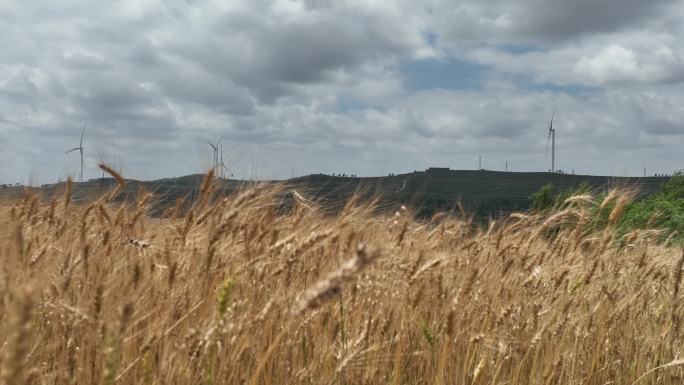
(629, 58)
(616, 63)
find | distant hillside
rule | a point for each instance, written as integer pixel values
(483, 192)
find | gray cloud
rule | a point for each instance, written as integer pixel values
(545, 21)
(568, 19)
(269, 51)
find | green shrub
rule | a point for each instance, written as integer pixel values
(544, 198)
(674, 188)
(664, 211)
(547, 198)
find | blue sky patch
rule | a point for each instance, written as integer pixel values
(572, 89)
(346, 103)
(449, 74)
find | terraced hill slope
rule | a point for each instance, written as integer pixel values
(485, 193)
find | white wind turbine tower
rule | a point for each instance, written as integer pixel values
(80, 149)
(552, 138)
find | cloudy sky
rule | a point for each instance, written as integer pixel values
(356, 86)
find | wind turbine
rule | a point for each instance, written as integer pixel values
(215, 147)
(552, 138)
(213, 165)
(80, 149)
(223, 165)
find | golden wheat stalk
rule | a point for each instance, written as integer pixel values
(331, 286)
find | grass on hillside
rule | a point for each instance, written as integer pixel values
(244, 291)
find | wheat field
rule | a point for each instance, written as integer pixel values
(242, 290)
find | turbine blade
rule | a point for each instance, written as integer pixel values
(83, 133)
(73, 149)
(212, 145)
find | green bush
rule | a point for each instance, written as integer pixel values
(547, 198)
(674, 188)
(664, 211)
(544, 198)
